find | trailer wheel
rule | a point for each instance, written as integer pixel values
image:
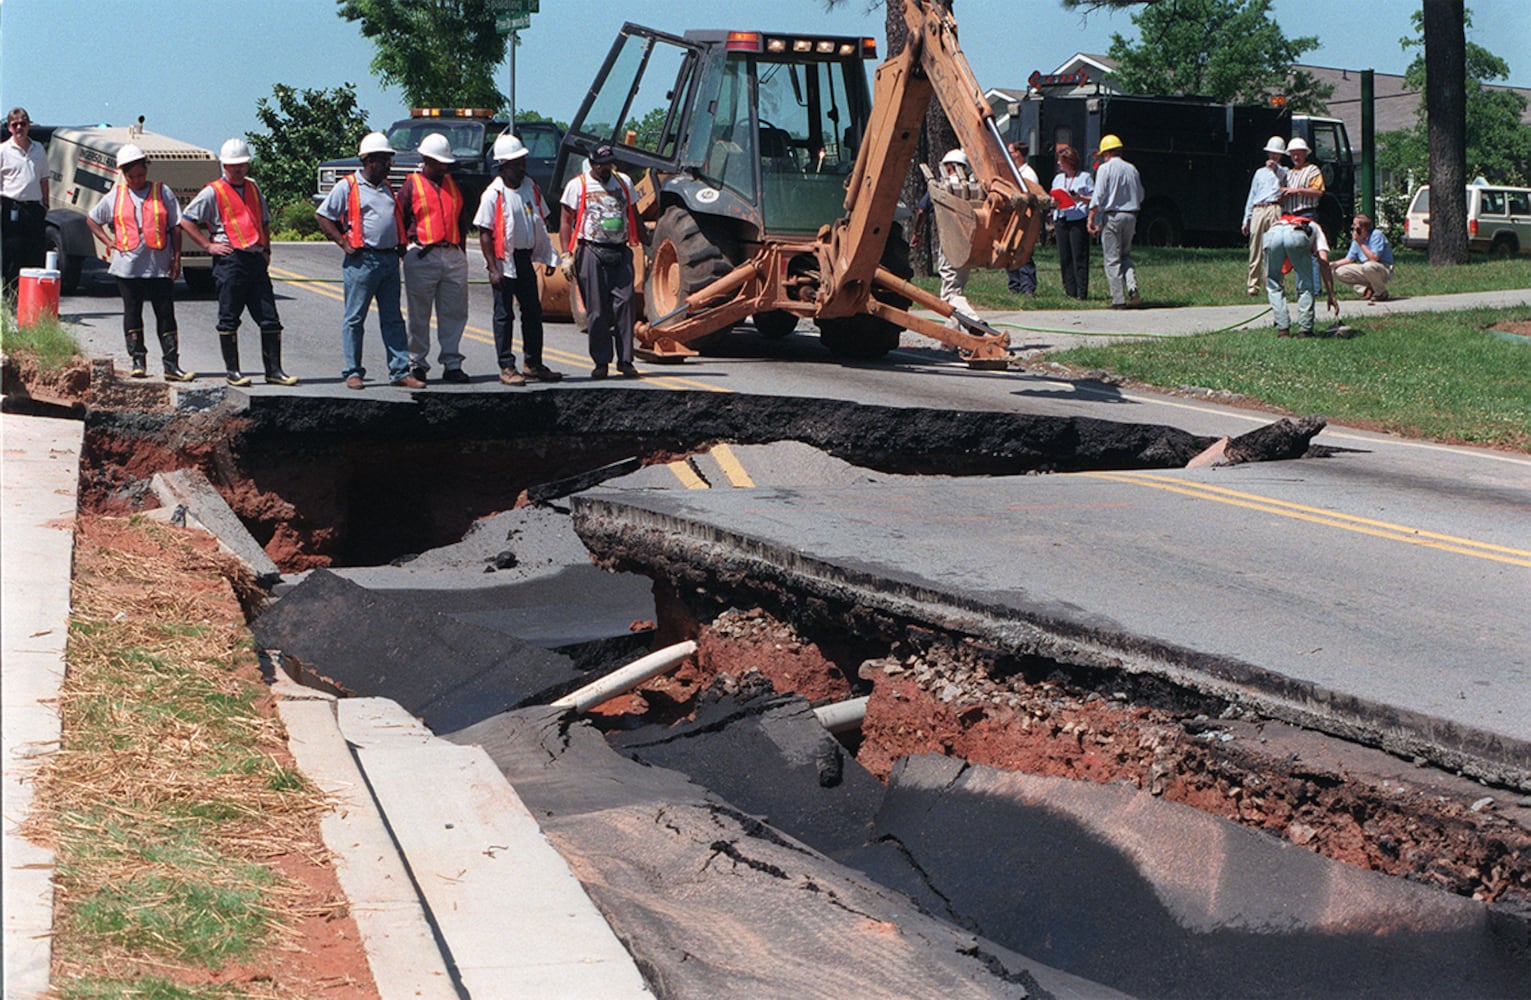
(863, 337)
(199, 280)
(1158, 226)
(68, 265)
(1504, 246)
(690, 252)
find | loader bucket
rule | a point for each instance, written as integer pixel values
(974, 234)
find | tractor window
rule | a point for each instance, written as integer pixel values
(811, 116)
(641, 99)
(731, 151)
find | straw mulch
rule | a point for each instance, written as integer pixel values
(188, 843)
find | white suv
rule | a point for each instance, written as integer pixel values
(1498, 219)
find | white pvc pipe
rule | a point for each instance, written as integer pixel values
(842, 716)
(626, 678)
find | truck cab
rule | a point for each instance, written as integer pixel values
(472, 132)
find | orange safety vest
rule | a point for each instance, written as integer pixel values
(499, 217)
(437, 210)
(627, 194)
(353, 213)
(126, 230)
(241, 217)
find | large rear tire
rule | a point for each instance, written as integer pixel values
(690, 252)
(863, 337)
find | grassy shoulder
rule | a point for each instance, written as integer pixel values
(177, 816)
(51, 341)
(1440, 376)
(1179, 276)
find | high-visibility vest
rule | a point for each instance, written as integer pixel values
(627, 194)
(241, 217)
(437, 210)
(353, 213)
(499, 216)
(128, 231)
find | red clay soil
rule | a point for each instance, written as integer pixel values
(1346, 802)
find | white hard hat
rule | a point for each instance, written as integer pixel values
(1297, 144)
(129, 154)
(508, 147)
(437, 148)
(234, 151)
(374, 142)
(955, 156)
(1275, 144)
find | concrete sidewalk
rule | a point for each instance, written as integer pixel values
(39, 474)
(509, 916)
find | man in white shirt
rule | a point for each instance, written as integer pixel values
(23, 198)
(600, 221)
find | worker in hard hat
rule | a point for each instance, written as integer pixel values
(1262, 208)
(436, 263)
(1114, 215)
(513, 234)
(1304, 186)
(956, 174)
(363, 217)
(228, 219)
(140, 221)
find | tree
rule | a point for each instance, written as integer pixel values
(306, 127)
(1228, 50)
(440, 53)
(1497, 143)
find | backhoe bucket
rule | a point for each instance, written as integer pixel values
(987, 231)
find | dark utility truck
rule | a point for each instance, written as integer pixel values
(1196, 157)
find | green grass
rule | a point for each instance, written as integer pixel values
(1200, 277)
(1440, 376)
(50, 340)
(148, 988)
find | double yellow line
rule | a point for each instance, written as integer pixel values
(1328, 518)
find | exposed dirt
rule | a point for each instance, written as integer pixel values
(1519, 327)
(1349, 803)
(319, 954)
(21, 377)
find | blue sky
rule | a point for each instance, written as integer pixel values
(86, 61)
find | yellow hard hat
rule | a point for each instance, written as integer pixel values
(1108, 143)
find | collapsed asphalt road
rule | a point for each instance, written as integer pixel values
(483, 615)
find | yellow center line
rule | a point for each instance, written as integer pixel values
(687, 475)
(1332, 519)
(729, 463)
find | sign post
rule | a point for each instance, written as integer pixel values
(510, 18)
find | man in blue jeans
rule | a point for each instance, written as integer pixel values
(363, 217)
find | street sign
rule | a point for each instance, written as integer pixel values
(515, 8)
(506, 23)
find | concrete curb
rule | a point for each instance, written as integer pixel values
(39, 478)
(189, 489)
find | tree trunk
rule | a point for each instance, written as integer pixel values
(936, 138)
(1446, 106)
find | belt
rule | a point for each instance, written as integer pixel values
(599, 243)
(393, 249)
(1121, 211)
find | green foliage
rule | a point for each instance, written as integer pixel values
(1228, 50)
(1498, 142)
(440, 53)
(528, 115)
(295, 221)
(49, 339)
(305, 128)
(1441, 376)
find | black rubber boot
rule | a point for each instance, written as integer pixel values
(271, 356)
(138, 353)
(170, 350)
(229, 343)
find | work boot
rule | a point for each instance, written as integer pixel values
(138, 353)
(271, 357)
(170, 350)
(229, 344)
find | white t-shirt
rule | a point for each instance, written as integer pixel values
(605, 218)
(22, 172)
(142, 261)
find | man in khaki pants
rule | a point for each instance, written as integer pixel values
(1261, 210)
(435, 266)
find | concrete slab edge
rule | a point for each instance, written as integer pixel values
(191, 489)
(606, 524)
(402, 950)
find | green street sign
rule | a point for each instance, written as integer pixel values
(506, 23)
